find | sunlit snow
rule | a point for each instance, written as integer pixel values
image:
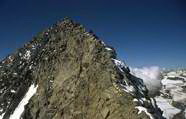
(142, 109)
(165, 105)
(107, 48)
(1, 116)
(27, 55)
(19, 110)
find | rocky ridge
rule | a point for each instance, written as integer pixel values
(77, 76)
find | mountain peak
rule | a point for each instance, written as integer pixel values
(74, 75)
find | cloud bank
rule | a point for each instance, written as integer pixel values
(151, 77)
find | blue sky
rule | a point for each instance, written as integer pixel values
(144, 32)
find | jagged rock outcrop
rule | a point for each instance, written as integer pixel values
(77, 78)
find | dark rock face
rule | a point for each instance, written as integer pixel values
(75, 75)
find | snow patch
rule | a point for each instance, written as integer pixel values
(20, 109)
(12, 91)
(20, 54)
(27, 55)
(178, 95)
(172, 74)
(103, 43)
(119, 64)
(135, 100)
(10, 58)
(171, 83)
(109, 49)
(175, 87)
(165, 105)
(2, 115)
(142, 109)
(15, 74)
(129, 89)
(33, 47)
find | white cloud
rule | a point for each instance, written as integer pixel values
(151, 77)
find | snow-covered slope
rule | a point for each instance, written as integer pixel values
(168, 88)
(173, 95)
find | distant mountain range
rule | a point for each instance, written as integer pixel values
(172, 99)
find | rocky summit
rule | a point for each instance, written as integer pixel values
(67, 72)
